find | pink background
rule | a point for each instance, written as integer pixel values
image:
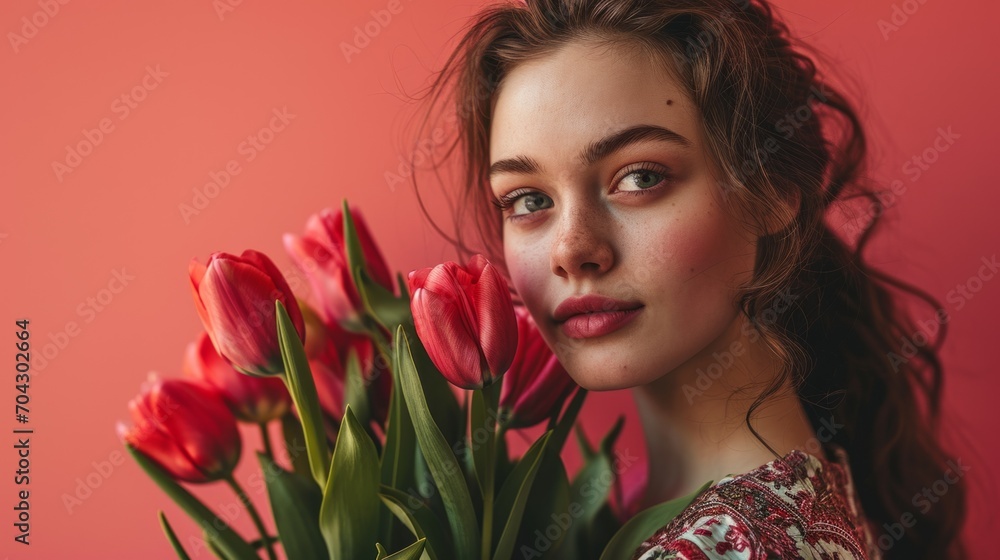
(62, 237)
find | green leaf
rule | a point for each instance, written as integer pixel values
(355, 392)
(444, 467)
(645, 523)
(411, 552)
(609, 439)
(350, 509)
(587, 451)
(172, 537)
(427, 489)
(446, 412)
(590, 489)
(295, 504)
(420, 520)
(298, 377)
(295, 444)
(214, 548)
(548, 507)
(604, 526)
(514, 496)
(382, 304)
(224, 538)
(378, 302)
(397, 461)
(568, 419)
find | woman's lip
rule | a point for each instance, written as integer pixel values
(590, 325)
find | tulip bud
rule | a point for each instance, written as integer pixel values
(465, 318)
(252, 399)
(321, 255)
(235, 299)
(536, 383)
(186, 428)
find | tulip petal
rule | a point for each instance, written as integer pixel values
(149, 435)
(536, 383)
(283, 291)
(324, 263)
(417, 278)
(497, 322)
(234, 287)
(447, 338)
(208, 438)
(196, 273)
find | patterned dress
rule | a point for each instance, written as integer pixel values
(799, 506)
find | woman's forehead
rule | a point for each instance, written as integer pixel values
(580, 93)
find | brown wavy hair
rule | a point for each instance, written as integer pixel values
(777, 129)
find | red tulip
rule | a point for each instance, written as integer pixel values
(235, 299)
(321, 255)
(329, 346)
(186, 428)
(329, 381)
(465, 318)
(536, 383)
(251, 399)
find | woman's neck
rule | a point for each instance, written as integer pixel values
(693, 418)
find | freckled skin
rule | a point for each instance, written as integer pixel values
(677, 250)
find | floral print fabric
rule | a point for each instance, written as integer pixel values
(799, 506)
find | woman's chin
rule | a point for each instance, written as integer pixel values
(605, 383)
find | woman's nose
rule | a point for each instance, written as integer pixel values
(583, 244)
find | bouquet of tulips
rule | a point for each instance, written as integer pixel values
(394, 409)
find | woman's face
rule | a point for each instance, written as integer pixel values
(633, 216)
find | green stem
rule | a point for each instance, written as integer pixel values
(491, 396)
(266, 439)
(382, 344)
(488, 506)
(252, 510)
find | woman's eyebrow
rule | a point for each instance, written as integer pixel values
(596, 150)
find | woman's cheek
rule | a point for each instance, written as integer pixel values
(528, 269)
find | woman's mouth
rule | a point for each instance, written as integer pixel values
(590, 325)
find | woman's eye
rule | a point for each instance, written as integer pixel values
(643, 179)
(523, 202)
(531, 202)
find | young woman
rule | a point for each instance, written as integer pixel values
(654, 179)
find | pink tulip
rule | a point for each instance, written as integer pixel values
(321, 255)
(252, 399)
(536, 383)
(186, 428)
(465, 318)
(235, 299)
